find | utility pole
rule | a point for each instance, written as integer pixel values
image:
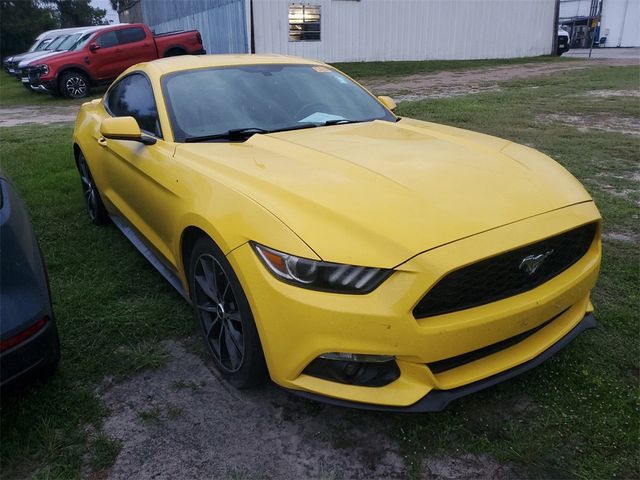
(596, 29)
(556, 16)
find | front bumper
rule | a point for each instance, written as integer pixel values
(438, 400)
(298, 325)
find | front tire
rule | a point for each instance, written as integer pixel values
(223, 313)
(74, 85)
(95, 207)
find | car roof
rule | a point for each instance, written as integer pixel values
(191, 62)
(69, 31)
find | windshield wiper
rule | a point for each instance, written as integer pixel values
(341, 121)
(242, 133)
(230, 134)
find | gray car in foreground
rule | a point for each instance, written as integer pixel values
(29, 346)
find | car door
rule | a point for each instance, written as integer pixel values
(142, 179)
(106, 56)
(137, 45)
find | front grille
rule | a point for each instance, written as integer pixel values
(504, 275)
(455, 362)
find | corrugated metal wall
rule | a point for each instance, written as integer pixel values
(411, 29)
(222, 23)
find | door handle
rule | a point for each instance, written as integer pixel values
(102, 142)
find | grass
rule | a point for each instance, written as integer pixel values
(111, 309)
(576, 416)
(12, 94)
(582, 409)
(393, 69)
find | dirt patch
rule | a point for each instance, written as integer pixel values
(619, 237)
(607, 122)
(467, 467)
(182, 421)
(467, 82)
(613, 93)
(37, 114)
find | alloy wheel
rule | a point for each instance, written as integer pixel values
(76, 86)
(88, 189)
(218, 312)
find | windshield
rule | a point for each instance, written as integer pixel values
(42, 45)
(55, 43)
(81, 41)
(34, 46)
(68, 42)
(214, 101)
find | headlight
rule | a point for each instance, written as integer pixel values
(315, 275)
(42, 69)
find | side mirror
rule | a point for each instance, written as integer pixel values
(387, 102)
(93, 47)
(124, 128)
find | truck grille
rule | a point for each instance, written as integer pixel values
(506, 274)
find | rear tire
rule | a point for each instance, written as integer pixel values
(74, 85)
(224, 315)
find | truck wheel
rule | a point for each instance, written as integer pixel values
(74, 85)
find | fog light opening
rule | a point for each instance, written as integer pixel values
(355, 369)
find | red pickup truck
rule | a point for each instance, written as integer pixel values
(99, 57)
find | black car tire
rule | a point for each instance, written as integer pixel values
(222, 310)
(93, 201)
(74, 85)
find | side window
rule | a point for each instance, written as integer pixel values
(107, 40)
(133, 96)
(130, 35)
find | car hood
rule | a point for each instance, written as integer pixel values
(32, 57)
(61, 56)
(26, 57)
(378, 193)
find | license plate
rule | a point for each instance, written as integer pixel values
(11, 70)
(25, 79)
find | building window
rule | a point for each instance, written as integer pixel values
(304, 23)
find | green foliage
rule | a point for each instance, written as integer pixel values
(21, 22)
(77, 13)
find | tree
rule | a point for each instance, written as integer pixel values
(77, 13)
(21, 21)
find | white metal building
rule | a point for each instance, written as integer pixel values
(361, 30)
(620, 21)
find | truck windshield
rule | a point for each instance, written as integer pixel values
(33, 47)
(68, 42)
(42, 45)
(56, 42)
(81, 42)
(213, 102)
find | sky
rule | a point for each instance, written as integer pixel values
(112, 15)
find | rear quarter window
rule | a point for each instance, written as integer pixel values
(130, 35)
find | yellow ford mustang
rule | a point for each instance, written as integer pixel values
(348, 254)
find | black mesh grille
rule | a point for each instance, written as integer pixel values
(504, 275)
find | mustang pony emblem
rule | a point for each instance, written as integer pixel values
(531, 263)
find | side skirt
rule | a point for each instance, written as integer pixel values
(149, 254)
